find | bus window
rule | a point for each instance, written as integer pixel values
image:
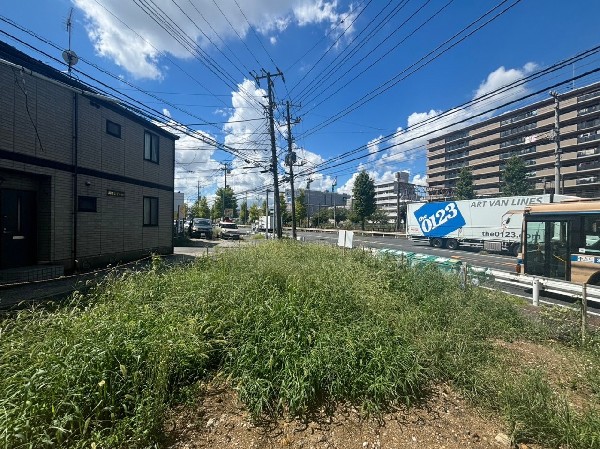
(535, 248)
(591, 228)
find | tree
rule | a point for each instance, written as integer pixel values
(300, 207)
(321, 217)
(244, 212)
(363, 193)
(464, 185)
(203, 209)
(515, 180)
(341, 214)
(200, 208)
(379, 216)
(230, 202)
(254, 213)
(285, 215)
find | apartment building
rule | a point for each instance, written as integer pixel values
(529, 134)
(315, 200)
(83, 180)
(389, 195)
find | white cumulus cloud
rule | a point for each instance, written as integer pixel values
(128, 34)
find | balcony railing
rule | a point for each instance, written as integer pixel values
(588, 165)
(588, 110)
(588, 152)
(587, 180)
(588, 96)
(588, 137)
(517, 152)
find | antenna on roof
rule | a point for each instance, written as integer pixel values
(69, 56)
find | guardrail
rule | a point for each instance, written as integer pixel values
(486, 276)
(383, 233)
(542, 284)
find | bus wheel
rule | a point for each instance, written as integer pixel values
(594, 279)
(437, 243)
(452, 244)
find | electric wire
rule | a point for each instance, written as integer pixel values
(346, 84)
(347, 54)
(423, 61)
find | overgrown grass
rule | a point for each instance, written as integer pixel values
(290, 326)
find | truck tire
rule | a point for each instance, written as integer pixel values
(515, 249)
(452, 244)
(209, 236)
(437, 242)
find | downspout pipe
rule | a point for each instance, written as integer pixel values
(75, 128)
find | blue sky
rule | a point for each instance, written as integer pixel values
(333, 55)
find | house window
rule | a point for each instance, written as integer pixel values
(87, 204)
(114, 129)
(150, 211)
(150, 147)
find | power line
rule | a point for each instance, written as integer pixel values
(467, 119)
(503, 89)
(415, 67)
(382, 57)
(347, 54)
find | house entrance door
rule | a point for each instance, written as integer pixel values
(18, 226)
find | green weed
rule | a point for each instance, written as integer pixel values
(291, 327)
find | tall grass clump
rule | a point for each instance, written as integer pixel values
(291, 327)
(100, 369)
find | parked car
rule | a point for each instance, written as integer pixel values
(228, 230)
(201, 226)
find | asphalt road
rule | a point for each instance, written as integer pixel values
(471, 257)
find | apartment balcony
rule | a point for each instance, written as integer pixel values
(588, 137)
(587, 180)
(595, 94)
(588, 152)
(590, 165)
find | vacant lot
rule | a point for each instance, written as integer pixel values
(294, 345)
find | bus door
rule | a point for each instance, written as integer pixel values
(547, 251)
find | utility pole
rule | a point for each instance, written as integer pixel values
(225, 168)
(333, 200)
(276, 210)
(308, 202)
(544, 183)
(557, 150)
(267, 216)
(290, 160)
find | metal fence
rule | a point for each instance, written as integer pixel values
(486, 277)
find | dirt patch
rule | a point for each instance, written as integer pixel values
(446, 421)
(565, 369)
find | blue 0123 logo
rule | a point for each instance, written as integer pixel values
(439, 219)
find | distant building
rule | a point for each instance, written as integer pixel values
(528, 133)
(315, 200)
(178, 205)
(389, 195)
(83, 180)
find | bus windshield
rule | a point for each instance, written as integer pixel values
(562, 241)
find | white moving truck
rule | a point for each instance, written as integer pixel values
(265, 223)
(493, 224)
